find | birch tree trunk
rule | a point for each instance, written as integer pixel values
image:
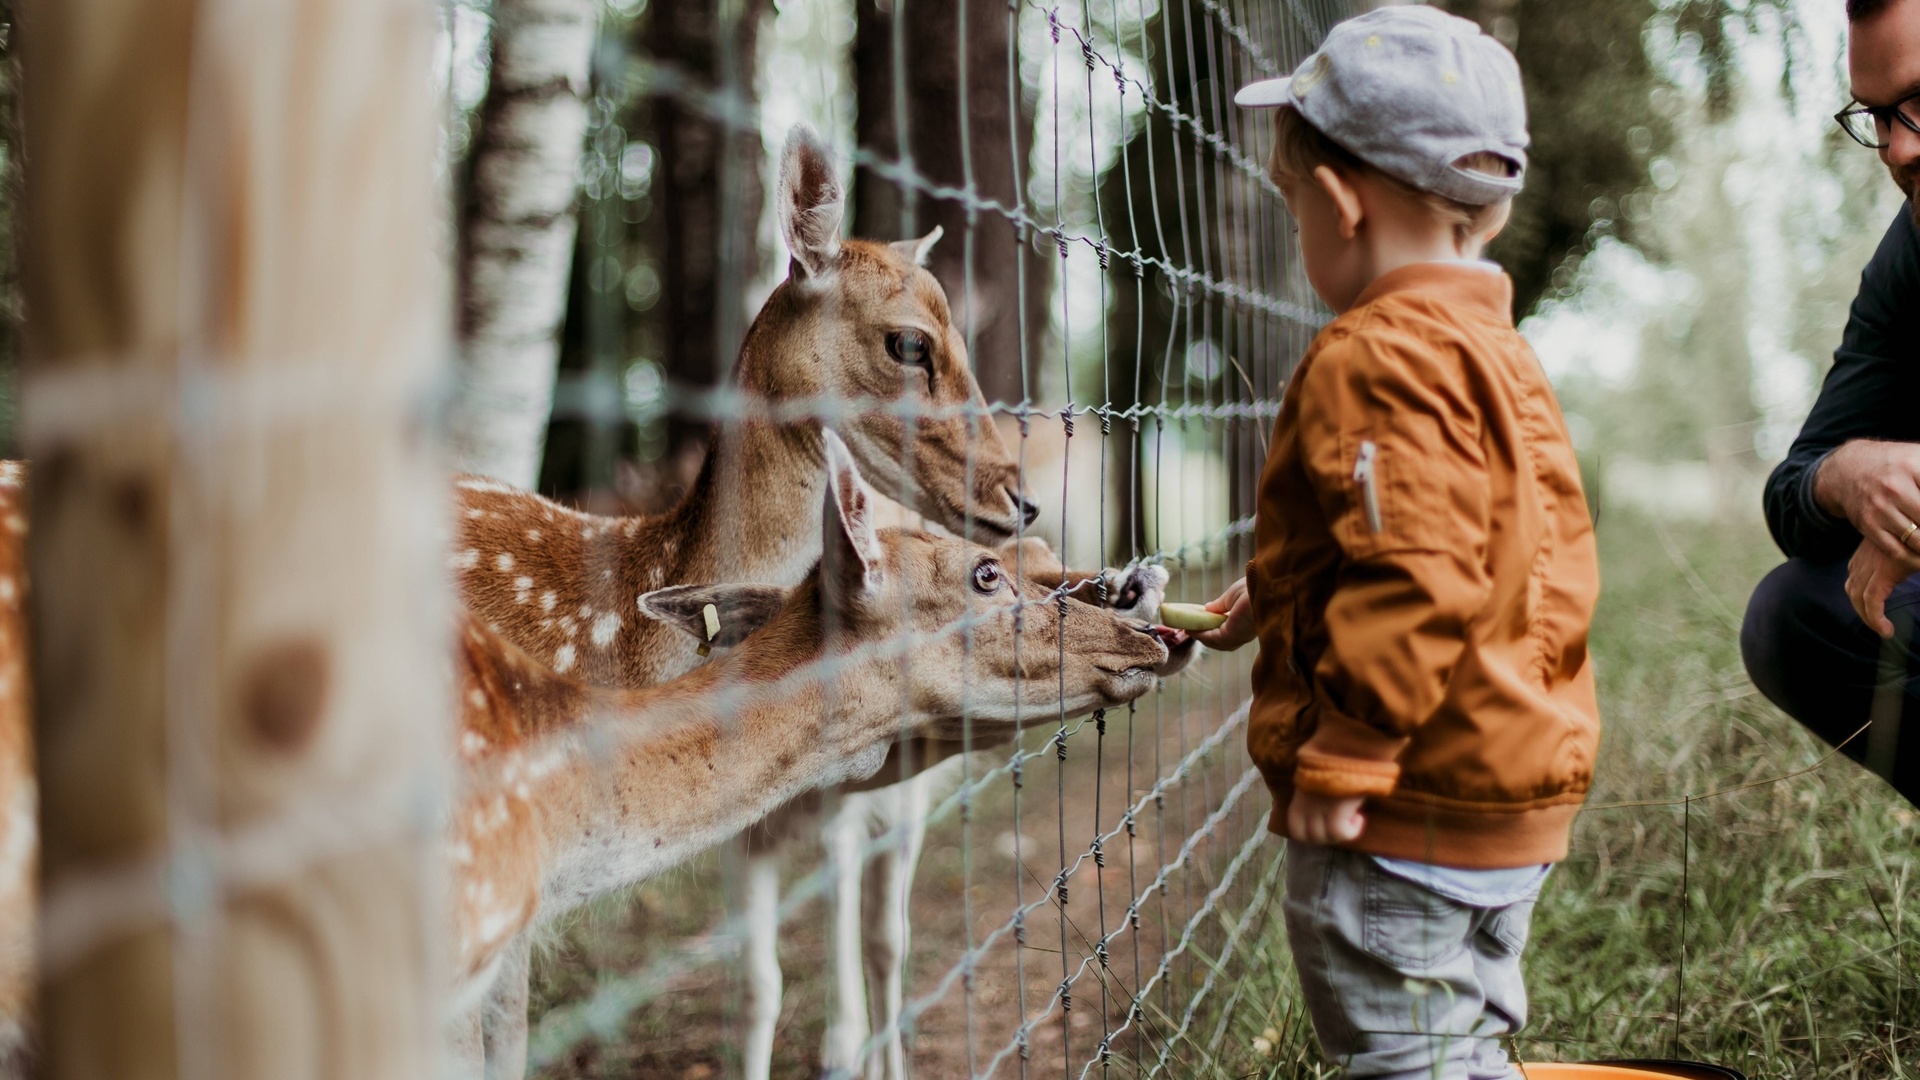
(239, 643)
(517, 234)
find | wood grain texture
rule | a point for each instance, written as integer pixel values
(237, 627)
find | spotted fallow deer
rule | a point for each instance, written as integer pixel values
(857, 322)
(573, 791)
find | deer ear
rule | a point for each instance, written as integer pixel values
(739, 610)
(918, 251)
(811, 203)
(850, 555)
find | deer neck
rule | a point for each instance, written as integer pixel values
(756, 515)
(677, 769)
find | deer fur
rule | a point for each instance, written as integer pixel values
(19, 802)
(574, 790)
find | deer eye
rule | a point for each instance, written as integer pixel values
(987, 578)
(910, 347)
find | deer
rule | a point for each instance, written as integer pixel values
(571, 791)
(857, 321)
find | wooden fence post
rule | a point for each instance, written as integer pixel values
(240, 652)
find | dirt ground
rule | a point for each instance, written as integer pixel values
(693, 1028)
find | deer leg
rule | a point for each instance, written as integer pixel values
(503, 1016)
(846, 836)
(888, 934)
(763, 963)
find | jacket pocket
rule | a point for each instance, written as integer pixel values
(1509, 927)
(1407, 927)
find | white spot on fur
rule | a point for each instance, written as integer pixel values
(479, 701)
(503, 561)
(463, 853)
(8, 590)
(474, 513)
(492, 487)
(604, 628)
(657, 577)
(466, 560)
(563, 657)
(10, 473)
(16, 847)
(522, 589)
(533, 535)
(632, 526)
(547, 600)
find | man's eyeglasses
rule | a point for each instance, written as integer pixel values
(1872, 125)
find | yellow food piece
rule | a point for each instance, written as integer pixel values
(1189, 617)
(713, 621)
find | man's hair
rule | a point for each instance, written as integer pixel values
(1867, 9)
(1299, 148)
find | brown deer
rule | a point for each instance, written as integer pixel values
(854, 322)
(574, 791)
(858, 322)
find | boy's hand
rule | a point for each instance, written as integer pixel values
(1238, 629)
(1322, 819)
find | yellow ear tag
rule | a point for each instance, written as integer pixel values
(712, 615)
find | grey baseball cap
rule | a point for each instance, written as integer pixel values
(1411, 90)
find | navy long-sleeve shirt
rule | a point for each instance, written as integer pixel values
(1872, 392)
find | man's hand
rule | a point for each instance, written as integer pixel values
(1238, 629)
(1871, 575)
(1876, 486)
(1322, 819)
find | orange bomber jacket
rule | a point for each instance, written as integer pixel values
(1423, 578)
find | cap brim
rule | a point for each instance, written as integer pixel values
(1265, 94)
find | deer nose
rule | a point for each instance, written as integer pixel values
(1029, 510)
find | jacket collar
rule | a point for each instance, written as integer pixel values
(1479, 286)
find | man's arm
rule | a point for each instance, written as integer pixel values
(1814, 498)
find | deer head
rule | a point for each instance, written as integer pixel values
(969, 642)
(866, 322)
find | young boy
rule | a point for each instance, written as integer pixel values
(1424, 570)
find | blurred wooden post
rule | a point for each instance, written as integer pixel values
(238, 638)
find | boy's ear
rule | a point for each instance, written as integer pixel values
(1346, 199)
(738, 610)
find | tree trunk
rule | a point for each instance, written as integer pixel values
(1003, 308)
(239, 645)
(694, 226)
(517, 234)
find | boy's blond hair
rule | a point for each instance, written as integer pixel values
(1299, 148)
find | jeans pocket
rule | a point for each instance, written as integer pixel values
(1407, 926)
(1509, 927)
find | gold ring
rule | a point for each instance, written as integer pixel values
(1912, 526)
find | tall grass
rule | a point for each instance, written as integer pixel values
(1772, 928)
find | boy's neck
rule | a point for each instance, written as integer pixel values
(1392, 241)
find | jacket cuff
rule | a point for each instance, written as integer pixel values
(1347, 759)
(1810, 509)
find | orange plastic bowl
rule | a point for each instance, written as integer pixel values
(1628, 1070)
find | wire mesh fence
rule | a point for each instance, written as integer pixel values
(1034, 885)
(1119, 268)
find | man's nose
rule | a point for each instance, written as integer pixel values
(1903, 147)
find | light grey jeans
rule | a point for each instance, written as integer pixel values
(1403, 983)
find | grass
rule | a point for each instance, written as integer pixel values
(1771, 929)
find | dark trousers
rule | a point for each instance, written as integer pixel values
(1811, 655)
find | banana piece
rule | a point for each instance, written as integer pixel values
(1189, 617)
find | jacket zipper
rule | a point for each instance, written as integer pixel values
(1363, 467)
